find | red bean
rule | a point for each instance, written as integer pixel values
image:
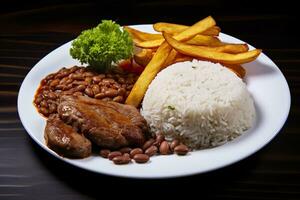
(148, 144)
(104, 153)
(151, 151)
(96, 89)
(121, 160)
(135, 151)
(113, 154)
(118, 99)
(141, 158)
(89, 92)
(174, 143)
(164, 148)
(181, 149)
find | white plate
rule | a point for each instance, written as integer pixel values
(264, 81)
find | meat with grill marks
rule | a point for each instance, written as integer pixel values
(107, 124)
(64, 140)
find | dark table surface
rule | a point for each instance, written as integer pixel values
(30, 31)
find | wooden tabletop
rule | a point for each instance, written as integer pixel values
(30, 31)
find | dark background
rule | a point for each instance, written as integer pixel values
(31, 29)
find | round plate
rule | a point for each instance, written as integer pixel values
(264, 80)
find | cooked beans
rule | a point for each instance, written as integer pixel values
(135, 151)
(104, 153)
(113, 154)
(141, 158)
(181, 149)
(121, 160)
(174, 144)
(96, 89)
(151, 151)
(118, 99)
(164, 148)
(88, 91)
(111, 93)
(159, 139)
(148, 144)
(125, 150)
(80, 81)
(142, 155)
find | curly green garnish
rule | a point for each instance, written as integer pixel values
(103, 45)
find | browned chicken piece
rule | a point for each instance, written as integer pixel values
(64, 140)
(107, 124)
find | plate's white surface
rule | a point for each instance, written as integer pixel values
(264, 80)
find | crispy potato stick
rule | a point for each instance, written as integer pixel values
(198, 52)
(171, 58)
(228, 48)
(139, 89)
(197, 28)
(149, 43)
(202, 40)
(237, 69)
(187, 34)
(141, 36)
(205, 40)
(197, 40)
(214, 31)
(177, 28)
(143, 57)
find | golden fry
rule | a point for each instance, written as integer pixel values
(204, 40)
(228, 48)
(178, 28)
(199, 52)
(187, 34)
(171, 58)
(149, 43)
(141, 36)
(214, 31)
(197, 40)
(143, 57)
(139, 89)
(197, 28)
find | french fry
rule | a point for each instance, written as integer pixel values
(141, 36)
(178, 28)
(149, 43)
(202, 40)
(228, 48)
(214, 31)
(196, 29)
(198, 52)
(143, 57)
(139, 89)
(205, 40)
(157, 62)
(171, 58)
(187, 34)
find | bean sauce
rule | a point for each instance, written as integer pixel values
(81, 81)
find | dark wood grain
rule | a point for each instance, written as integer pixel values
(29, 31)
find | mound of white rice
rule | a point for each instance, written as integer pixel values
(201, 103)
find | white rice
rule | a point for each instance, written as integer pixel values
(201, 103)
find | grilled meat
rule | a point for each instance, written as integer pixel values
(107, 124)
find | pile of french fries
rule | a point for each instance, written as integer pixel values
(182, 43)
